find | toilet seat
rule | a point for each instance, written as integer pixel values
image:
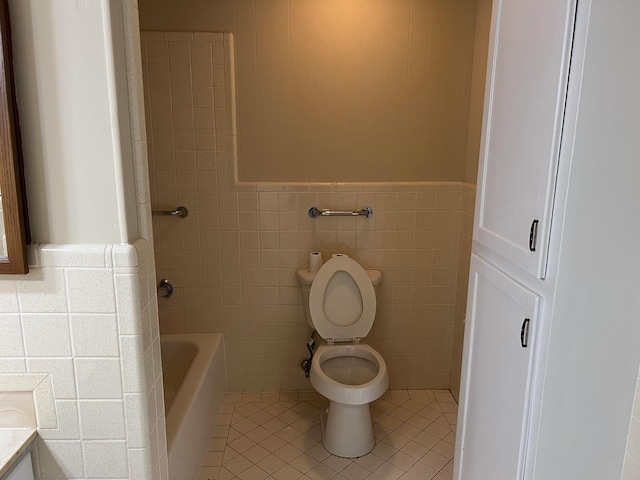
(348, 317)
(345, 393)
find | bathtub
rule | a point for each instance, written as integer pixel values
(195, 383)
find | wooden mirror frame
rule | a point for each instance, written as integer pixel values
(14, 205)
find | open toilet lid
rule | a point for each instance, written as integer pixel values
(335, 313)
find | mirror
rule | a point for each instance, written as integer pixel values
(14, 230)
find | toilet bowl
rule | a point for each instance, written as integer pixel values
(340, 303)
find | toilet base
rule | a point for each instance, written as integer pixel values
(347, 430)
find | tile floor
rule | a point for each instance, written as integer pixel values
(277, 436)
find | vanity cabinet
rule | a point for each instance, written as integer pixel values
(527, 75)
(22, 470)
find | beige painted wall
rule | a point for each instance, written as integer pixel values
(344, 90)
(476, 98)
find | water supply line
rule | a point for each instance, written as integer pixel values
(311, 346)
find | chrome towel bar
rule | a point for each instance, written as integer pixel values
(366, 212)
(180, 212)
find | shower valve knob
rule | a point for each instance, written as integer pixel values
(165, 288)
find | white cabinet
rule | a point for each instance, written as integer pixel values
(530, 52)
(497, 366)
(528, 66)
(22, 470)
(560, 408)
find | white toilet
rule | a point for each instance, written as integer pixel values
(340, 304)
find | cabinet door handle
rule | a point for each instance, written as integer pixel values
(533, 235)
(524, 333)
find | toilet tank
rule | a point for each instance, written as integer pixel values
(305, 278)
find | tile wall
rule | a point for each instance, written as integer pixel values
(233, 260)
(151, 461)
(85, 316)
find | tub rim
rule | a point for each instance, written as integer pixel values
(207, 345)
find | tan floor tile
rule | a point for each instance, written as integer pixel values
(321, 472)
(256, 454)
(253, 473)
(445, 449)
(242, 444)
(422, 471)
(271, 464)
(416, 450)
(246, 426)
(370, 462)
(287, 473)
(277, 436)
(237, 465)
(355, 472)
(304, 463)
(259, 434)
(388, 471)
(435, 460)
(288, 453)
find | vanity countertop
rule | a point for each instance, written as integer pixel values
(13, 443)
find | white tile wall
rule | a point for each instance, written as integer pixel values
(62, 374)
(105, 459)
(98, 378)
(46, 335)
(77, 318)
(102, 419)
(84, 330)
(11, 344)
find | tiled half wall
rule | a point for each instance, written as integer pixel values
(85, 318)
(233, 260)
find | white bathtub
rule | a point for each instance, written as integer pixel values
(195, 383)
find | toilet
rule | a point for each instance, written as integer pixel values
(340, 304)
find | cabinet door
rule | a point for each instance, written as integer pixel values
(496, 373)
(527, 73)
(22, 470)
